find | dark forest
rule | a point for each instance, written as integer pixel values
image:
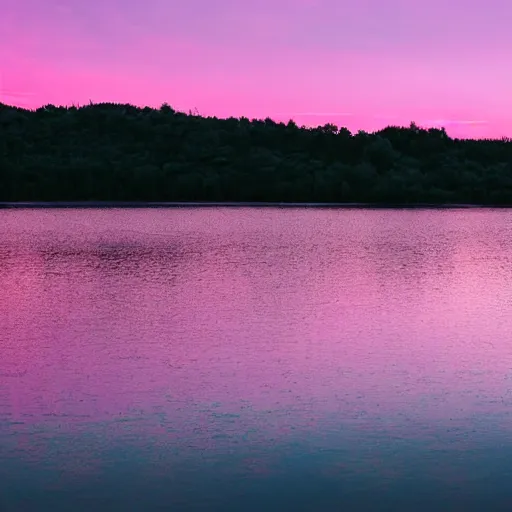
(115, 152)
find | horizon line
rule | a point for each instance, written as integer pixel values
(423, 124)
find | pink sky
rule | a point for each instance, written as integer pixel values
(362, 64)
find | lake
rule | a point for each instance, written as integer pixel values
(255, 359)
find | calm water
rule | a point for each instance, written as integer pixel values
(255, 359)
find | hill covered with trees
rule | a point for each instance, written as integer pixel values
(114, 152)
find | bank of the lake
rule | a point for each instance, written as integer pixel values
(247, 204)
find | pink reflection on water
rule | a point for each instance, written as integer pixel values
(197, 327)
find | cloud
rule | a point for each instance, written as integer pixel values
(314, 114)
(455, 121)
(12, 94)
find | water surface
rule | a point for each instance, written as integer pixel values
(255, 359)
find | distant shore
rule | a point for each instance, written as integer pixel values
(134, 204)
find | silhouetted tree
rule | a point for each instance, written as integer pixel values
(112, 151)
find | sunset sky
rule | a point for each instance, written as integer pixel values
(363, 64)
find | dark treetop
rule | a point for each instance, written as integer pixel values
(113, 152)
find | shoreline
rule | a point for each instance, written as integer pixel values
(235, 204)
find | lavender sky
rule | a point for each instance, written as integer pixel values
(363, 64)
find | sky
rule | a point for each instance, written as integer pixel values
(363, 64)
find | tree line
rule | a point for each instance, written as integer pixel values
(119, 152)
